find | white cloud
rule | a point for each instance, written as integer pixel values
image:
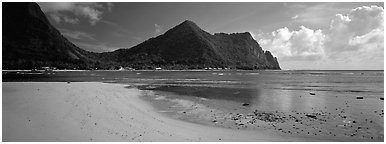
(314, 14)
(373, 37)
(295, 17)
(63, 18)
(354, 40)
(93, 14)
(307, 43)
(56, 18)
(361, 28)
(97, 46)
(59, 11)
(110, 6)
(158, 29)
(56, 6)
(303, 44)
(70, 20)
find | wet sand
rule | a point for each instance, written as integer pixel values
(93, 111)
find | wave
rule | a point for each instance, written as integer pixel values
(252, 73)
(323, 73)
(331, 90)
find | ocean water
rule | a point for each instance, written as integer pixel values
(201, 96)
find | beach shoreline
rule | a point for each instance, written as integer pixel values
(95, 111)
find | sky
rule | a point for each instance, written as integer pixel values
(303, 36)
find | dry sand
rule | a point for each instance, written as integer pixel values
(92, 111)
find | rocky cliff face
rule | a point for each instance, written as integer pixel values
(188, 46)
(29, 40)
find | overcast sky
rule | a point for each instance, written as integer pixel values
(302, 35)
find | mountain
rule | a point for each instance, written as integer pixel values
(187, 46)
(30, 41)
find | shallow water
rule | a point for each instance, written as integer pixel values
(276, 90)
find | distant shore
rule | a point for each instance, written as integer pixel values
(69, 70)
(143, 70)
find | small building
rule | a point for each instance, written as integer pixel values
(49, 68)
(129, 68)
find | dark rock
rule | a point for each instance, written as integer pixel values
(311, 116)
(311, 93)
(245, 104)
(359, 97)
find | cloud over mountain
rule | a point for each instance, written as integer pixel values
(158, 29)
(303, 44)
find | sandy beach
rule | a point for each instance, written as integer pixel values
(92, 111)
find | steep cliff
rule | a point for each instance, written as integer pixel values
(29, 41)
